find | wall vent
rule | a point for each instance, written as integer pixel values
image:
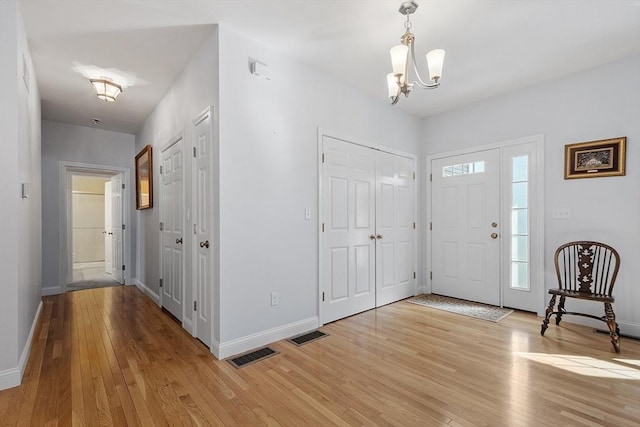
(307, 338)
(252, 357)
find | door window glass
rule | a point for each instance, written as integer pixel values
(520, 223)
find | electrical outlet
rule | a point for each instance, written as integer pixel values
(275, 298)
(561, 213)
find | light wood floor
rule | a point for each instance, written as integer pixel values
(109, 356)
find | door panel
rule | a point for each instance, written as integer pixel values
(348, 253)
(108, 229)
(465, 258)
(117, 261)
(172, 234)
(203, 233)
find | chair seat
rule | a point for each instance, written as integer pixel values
(581, 295)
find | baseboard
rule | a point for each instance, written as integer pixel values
(215, 348)
(51, 290)
(250, 342)
(148, 292)
(628, 329)
(13, 377)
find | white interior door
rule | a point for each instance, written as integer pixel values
(108, 229)
(394, 228)
(117, 262)
(172, 233)
(348, 242)
(466, 226)
(202, 227)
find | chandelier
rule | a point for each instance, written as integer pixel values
(399, 81)
(106, 89)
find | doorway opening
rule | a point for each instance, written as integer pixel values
(93, 244)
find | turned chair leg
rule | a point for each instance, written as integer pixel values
(613, 326)
(545, 322)
(561, 309)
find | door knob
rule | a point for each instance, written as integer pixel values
(379, 236)
(494, 235)
(372, 237)
(204, 244)
(110, 234)
(104, 232)
(494, 224)
(179, 240)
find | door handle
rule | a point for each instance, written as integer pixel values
(494, 224)
(179, 240)
(110, 234)
(104, 232)
(494, 235)
(204, 244)
(372, 237)
(379, 236)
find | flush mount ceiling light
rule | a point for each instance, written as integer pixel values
(398, 81)
(107, 90)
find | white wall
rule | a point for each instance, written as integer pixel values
(20, 218)
(596, 104)
(62, 142)
(195, 89)
(269, 175)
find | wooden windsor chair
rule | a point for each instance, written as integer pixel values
(587, 271)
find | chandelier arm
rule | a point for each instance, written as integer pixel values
(420, 83)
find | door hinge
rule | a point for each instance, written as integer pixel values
(123, 186)
(195, 303)
(194, 229)
(414, 175)
(431, 275)
(160, 170)
(414, 274)
(322, 157)
(323, 296)
(430, 177)
(122, 267)
(430, 226)
(123, 226)
(160, 282)
(161, 226)
(323, 227)
(194, 154)
(414, 225)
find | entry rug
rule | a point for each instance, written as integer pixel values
(460, 306)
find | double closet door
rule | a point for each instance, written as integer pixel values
(368, 228)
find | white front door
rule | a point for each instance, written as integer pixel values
(466, 226)
(172, 229)
(117, 261)
(202, 227)
(394, 228)
(108, 229)
(348, 242)
(368, 228)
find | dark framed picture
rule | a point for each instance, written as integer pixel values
(595, 158)
(144, 179)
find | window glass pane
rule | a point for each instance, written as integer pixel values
(519, 219)
(520, 195)
(447, 171)
(479, 166)
(521, 168)
(520, 248)
(519, 275)
(457, 170)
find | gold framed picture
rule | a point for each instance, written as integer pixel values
(144, 179)
(595, 158)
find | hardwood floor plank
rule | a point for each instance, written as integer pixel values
(110, 356)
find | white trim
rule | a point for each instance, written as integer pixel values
(187, 325)
(13, 377)
(269, 336)
(539, 140)
(147, 291)
(50, 290)
(325, 132)
(66, 169)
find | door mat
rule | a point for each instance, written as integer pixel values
(460, 306)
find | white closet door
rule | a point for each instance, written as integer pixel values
(394, 228)
(108, 232)
(348, 251)
(117, 261)
(202, 227)
(172, 234)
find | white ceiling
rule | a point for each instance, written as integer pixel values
(493, 46)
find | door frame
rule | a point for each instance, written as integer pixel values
(175, 139)
(537, 242)
(66, 171)
(322, 132)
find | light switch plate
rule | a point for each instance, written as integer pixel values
(561, 213)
